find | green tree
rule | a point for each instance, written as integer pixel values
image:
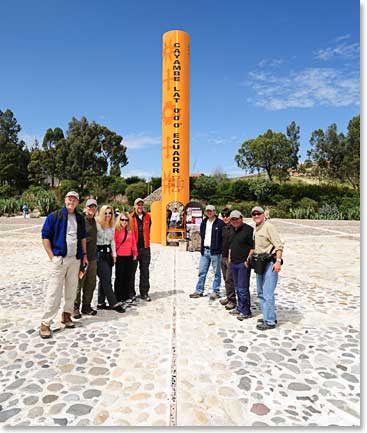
(271, 152)
(294, 136)
(88, 151)
(136, 190)
(204, 187)
(14, 156)
(134, 179)
(327, 150)
(156, 183)
(49, 144)
(36, 174)
(352, 158)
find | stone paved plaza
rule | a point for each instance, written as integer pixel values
(187, 362)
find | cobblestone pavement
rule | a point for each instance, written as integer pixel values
(181, 361)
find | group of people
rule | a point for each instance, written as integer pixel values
(234, 247)
(82, 247)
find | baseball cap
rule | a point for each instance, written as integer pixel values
(91, 201)
(138, 200)
(257, 209)
(72, 194)
(210, 207)
(235, 214)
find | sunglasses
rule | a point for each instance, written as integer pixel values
(225, 216)
(124, 219)
(256, 214)
(108, 213)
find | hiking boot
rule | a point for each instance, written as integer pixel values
(230, 306)
(196, 295)
(214, 296)
(89, 311)
(103, 307)
(145, 298)
(264, 326)
(66, 320)
(262, 321)
(234, 312)
(45, 331)
(244, 316)
(76, 313)
(119, 309)
(224, 301)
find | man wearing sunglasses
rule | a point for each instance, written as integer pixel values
(230, 301)
(141, 223)
(87, 283)
(211, 249)
(267, 240)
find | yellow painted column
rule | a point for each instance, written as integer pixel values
(175, 122)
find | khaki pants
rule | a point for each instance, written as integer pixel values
(64, 274)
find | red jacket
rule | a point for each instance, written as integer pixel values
(128, 248)
(146, 227)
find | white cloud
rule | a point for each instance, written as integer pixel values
(305, 88)
(140, 141)
(270, 63)
(342, 38)
(343, 50)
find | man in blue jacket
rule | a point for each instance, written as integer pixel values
(64, 239)
(211, 248)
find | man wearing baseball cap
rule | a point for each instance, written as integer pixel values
(241, 247)
(140, 224)
(64, 239)
(267, 241)
(211, 249)
(88, 277)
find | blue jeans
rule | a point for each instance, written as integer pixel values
(204, 264)
(266, 284)
(241, 278)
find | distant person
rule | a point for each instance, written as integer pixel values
(87, 283)
(64, 239)
(127, 253)
(117, 213)
(267, 241)
(106, 257)
(168, 216)
(230, 301)
(211, 249)
(241, 247)
(175, 218)
(140, 223)
(25, 210)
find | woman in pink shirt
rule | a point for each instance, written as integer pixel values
(126, 252)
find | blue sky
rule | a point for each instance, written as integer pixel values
(254, 65)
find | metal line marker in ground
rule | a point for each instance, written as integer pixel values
(173, 396)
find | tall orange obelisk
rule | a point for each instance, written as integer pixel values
(175, 127)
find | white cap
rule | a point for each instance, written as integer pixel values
(138, 200)
(72, 194)
(210, 207)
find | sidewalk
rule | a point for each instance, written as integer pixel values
(187, 362)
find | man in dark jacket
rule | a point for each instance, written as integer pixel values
(87, 282)
(230, 301)
(64, 239)
(140, 224)
(211, 249)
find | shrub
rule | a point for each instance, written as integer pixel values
(67, 185)
(306, 202)
(303, 213)
(278, 213)
(43, 199)
(350, 207)
(10, 206)
(245, 207)
(329, 212)
(262, 189)
(284, 205)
